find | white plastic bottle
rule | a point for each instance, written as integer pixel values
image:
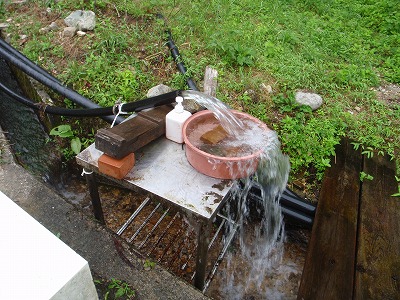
(174, 121)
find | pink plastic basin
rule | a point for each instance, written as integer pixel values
(219, 166)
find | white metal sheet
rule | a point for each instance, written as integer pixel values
(162, 168)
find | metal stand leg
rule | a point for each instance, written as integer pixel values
(94, 196)
(202, 252)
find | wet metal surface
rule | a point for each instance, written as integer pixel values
(162, 168)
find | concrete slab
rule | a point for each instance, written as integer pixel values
(35, 264)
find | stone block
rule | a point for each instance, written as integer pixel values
(69, 31)
(84, 20)
(214, 136)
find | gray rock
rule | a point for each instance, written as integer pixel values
(80, 33)
(4, 25)
(53, 26)
(44, 30)
(158, 90)
(189, 104)
(69, 31)
(310, 99)
(84, 20)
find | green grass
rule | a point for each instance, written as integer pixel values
(339, 49)
(109, 71)
(114, 289)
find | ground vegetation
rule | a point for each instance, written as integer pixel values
(346, 51)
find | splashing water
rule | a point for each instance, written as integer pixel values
(222, 112)
(260, 244)
(255, 208)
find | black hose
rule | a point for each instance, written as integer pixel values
(177, 56)
(94, 112)
(22, 62)
(178, 60)
(56, 86)
(26, 60)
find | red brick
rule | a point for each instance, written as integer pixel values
(116, 168)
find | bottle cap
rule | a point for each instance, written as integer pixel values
(179, 106)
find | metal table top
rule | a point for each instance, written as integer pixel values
(162, 169)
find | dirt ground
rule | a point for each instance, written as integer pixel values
(389, 94)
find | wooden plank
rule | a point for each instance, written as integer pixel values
(210, 81)
(329, 267)
(378, 257)
(126, 137)
(133, 134)
(157, 114)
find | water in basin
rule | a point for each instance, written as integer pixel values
(250, 140)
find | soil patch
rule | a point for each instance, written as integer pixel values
(389, 94)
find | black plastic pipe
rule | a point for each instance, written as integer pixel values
(93, 112)
(26, 60)
(290, 200)
(293, 207)
(178, 60)
(56, 86)
(297, 217)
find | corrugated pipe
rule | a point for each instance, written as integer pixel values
(178, 60)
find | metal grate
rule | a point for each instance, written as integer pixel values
(164, 235)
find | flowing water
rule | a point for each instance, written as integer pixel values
(222, 112)
(261, 246)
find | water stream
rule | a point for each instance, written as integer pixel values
(261, 246)
(221, 111)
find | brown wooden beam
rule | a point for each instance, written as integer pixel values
(329, 268)
(378, 256)
(133, 134)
